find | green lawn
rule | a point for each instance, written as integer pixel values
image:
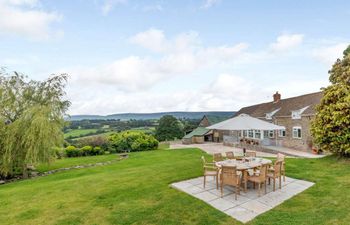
(69, 162)
(77, 132)
(136, 191)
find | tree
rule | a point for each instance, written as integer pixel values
(331, 126)
(31, 120)
(169, 128)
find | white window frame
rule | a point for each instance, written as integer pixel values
(282, 133)
(271, 134)
(250, 134)
(257, 133)
(295, 129)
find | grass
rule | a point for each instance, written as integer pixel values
(77, 132)
(69, 162)
(136, 191)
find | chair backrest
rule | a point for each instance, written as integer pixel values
(217, 157)
(280, 157)
(230, 155)
(278, 167)
(229, 175)
(263, 171)
(250, 154)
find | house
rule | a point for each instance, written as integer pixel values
(201, 134)
(295, 114)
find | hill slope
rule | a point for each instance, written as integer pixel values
(149, 116)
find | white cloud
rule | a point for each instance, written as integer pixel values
(23, 18)
(182, 55)
(329, 54)
(209, 3)
(108, 5)
(287, 41)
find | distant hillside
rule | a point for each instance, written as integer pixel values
(149, 116)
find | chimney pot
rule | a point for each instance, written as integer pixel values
(276, 97)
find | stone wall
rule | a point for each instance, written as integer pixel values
(305, 142)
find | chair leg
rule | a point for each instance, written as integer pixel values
(265, 186)
(204, 181)
(280, 181)
(217, 182)
(221, 190)
(236, 193)
(259, 189)
(274, 184)
(269, 180)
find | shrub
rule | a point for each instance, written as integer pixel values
(132, 141)
(86, 150)
(99, 141)
(72, 151)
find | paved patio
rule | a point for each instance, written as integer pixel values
(248, 205)
(212, 148)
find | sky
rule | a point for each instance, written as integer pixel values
(184, 55)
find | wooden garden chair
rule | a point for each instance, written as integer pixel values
(229, 176)
(230, 155)
(275, 173)
(210, 170)
(259, 179)
(217, 157)
(250, 154)
(281, 157)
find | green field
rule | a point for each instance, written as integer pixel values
(136, 191)
(77, 132)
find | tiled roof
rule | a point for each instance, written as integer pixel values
(285, 106)
(199, 131)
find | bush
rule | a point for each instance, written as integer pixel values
(72, 151)
(86, 150)
(97, 141)
(132, 141)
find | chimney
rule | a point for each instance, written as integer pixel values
(276, 97)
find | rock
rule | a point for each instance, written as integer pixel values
(2, 182)
(34, 174)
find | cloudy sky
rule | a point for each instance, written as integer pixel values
(189, 55)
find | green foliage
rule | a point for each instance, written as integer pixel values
(72, 151)
(132, 141)
(331, 126)
(169, 128)
(31, 121)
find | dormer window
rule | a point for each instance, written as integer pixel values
(270, 114)
(296, 114)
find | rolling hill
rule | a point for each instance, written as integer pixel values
(149, 116)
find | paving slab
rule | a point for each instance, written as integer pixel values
(248, 204)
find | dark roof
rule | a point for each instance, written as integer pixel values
(199, 131)
(285, 106)
(215, 119)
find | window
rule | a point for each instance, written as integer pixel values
(250, 133)
(244, 133)
(257, 134)
(271, 133)
(296, 115)
(297, 132)
(268, 134)
(282, 133)
(270, 114)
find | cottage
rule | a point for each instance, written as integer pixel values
(295, 114)
(201, 134)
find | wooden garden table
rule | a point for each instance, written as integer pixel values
(244, 165)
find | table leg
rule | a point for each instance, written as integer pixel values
(245, 180)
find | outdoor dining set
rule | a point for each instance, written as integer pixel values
(239, 170)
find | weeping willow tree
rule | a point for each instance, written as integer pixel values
(31, 120)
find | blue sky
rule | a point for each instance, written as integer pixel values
(151, 56)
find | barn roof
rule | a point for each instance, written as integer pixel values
(199, 131)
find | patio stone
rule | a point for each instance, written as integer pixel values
(242, 214)
(206, 196)
(248, 204)
(222, 204)
(256, 206)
